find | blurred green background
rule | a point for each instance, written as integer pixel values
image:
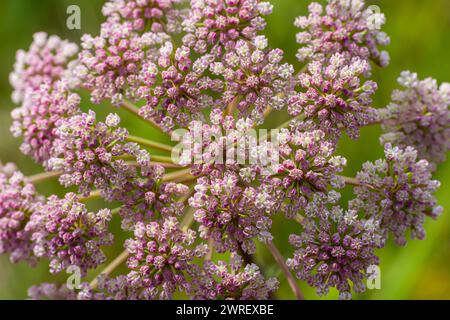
(420, 42)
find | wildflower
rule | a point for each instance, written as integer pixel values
(231, 214)
(110, 64)
(89, 154)
(307, 166)
(18, 201)
(207, 68)
(36, 119)
(160, 255)
(146, 15)
(46, 62)
(149, 199)
(255, 78)
(334, 97)
(233, 281)
(333, 251)
(419, 117)
(51, 291)
(177, 89)
(213, 25)
(69, 235)
(398, 192)
(346, 27)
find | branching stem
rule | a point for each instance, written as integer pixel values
(94, 195)
(110, 268)
(149, 143)
(355, 182)
(290, 278)
(176, 176)
(42, 177)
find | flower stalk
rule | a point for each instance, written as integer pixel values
(149, 143)
(43, 177)
(280, 261)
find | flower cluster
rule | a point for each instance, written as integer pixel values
(307, 166)
(36, 120)
(46, 62)
(220, 281)
(346, 27)
(176, 87)
(64, 231)
(232, 214)
(18, 201)
(398, 192)
(205, 68)
(118, 288)
(419, 116)
(216, 25)
(51, 291)
(333, 96)
(255, 79)
(89, 154)
(148, 199)
(219, 144)
(334, 249)
(160, 255)
(146, 15)
(111, 65)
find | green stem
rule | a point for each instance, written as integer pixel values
(211, 249)
(267, 112)
(150, 143)
(42, 177)
(303, 69)
(115, 211)
(182, 174)
(94, 195)
(188, 219)
(232, 106)
(155, 163)
(163, 159)
(110, 268)
(355, 182)
(290, 278)
(156, 158)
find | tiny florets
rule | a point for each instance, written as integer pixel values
(45, 62)
(36, 119)
(177, 90)
(232, 282)
(18, 202)
(51, 291)
(148, 199)
(334, 249)
(398, 192)
(345, 26)
(334, 97)
(89, 153)
(65, 232)
(160, 256)
(231, 214)
(147, 15)
(419, 116)
(214, 25)
(110, 65)
(255, 77)
(308, 165)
